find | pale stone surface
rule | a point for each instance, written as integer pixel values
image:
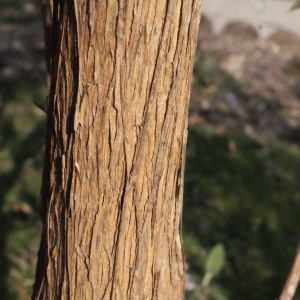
(267, 16)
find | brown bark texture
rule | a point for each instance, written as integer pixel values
(116, 134)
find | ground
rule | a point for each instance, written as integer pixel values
(244, 82)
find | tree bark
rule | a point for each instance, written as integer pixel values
(116, 134)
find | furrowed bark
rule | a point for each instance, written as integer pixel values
(116, 134)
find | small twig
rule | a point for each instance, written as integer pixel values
(42, 107)
(293, 279)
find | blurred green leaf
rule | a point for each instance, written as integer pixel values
(296, 5)
(215, 259)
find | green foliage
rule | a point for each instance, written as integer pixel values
(215, 259)
(296, 5)
(213, 265)
(22, 131)
(246, 195)
(207, 73)
(17, 4)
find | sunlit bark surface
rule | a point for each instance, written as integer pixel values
(116, 134)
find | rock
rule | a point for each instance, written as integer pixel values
(286, 39)
(234, 65)
(241, 30)
(205, 28)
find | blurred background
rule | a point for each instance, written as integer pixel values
(241, 222)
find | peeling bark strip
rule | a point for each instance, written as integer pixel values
(116, 134)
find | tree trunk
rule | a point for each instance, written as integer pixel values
(116, 134)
